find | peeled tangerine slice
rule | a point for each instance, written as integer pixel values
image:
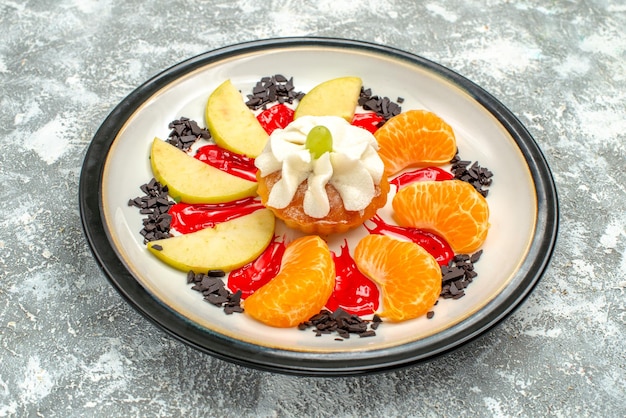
(192, 181)
(409, 277)
(415, 138)
(300, 289)
(451, 208)
(228, 246)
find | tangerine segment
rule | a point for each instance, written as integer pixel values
(413, 138)
(301, 288)
(451, 208)
(409, 277)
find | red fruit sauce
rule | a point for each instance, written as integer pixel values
(228, 161)
(279, 116)
(258, 272)
(421, 174)
(354, 292)
(435, 245)
(369, 121)
(188, 218)
(275, 117)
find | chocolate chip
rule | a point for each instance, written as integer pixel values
(453, 289)
(228, 310)
(451, 273)
(215, 299)
(476, 256)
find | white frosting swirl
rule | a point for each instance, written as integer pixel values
(353, 166)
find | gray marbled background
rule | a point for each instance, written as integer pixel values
(70, 346)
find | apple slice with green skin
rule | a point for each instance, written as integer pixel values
(192, 181)
(227, 246)
(232, 125)
(336, 97)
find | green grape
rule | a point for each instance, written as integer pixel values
(318, 141)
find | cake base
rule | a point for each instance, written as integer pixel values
(338, 220)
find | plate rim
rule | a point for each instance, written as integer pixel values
(532, 267)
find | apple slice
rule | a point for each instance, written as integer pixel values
(228, 246)
(336, 97)
(232, 125)
(192, 181)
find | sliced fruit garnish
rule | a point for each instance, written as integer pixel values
(232, 124)
(228, 246)
(450, 208)
(336, 97)
(300, 289)
(415, 138)
(409, 277)
(192, 181)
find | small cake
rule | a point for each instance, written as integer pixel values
(321, 175)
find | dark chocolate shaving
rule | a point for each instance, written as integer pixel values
(382, 106)
(155, 203)
(341, 323)
(270, 89)
(457, 275)
(214, 290)
(472, 173)
(185, 132)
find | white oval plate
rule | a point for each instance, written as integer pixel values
(522, 201)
